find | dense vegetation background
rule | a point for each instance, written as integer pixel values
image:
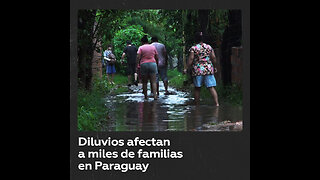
(174, 28)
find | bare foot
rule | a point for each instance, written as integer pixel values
(217, 105)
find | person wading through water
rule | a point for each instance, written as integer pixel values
(162, 64)
(147, 57)
(202, 61)
(130, 51)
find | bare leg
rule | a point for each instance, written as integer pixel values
(135, 82)
(214, 94)
(129, 79)
(108, 78)
(144, 86)
(153, 83)
(112, 76)
(166, 86)
(158, 88)
(197, 94)
(135, 77)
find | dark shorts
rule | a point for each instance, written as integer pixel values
(162, 73)
(148, 69)
(131, 69)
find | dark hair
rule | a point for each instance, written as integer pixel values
(109, 45)
(198, 37)
(128, 42)
(154, 39)
(144, 40)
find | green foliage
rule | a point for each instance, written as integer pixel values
(91, 109)
(171, 73)
(101, 85)
(110, 22)
(120, 80)
(173, 25)
(134, 33)
(174, 28)
(218, 21)
(230, 93)
(176, 79)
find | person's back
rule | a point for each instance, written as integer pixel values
(202, 60)
(202, 51)
(161, 53)
(162, 64)
(147, 52)
(131, 53)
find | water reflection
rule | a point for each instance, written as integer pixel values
(176, 112)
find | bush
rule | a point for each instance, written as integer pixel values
(134, 33)
(176, 78)
(229, 93)
(91, 108)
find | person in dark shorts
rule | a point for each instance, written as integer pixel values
(162, 64)
(147, 57)
(130, 51)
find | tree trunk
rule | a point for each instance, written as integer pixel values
(86, 20)
(184, 17)
(183, 51)
(203, 17)
(231, 38)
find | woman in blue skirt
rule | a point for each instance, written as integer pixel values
(110, 68)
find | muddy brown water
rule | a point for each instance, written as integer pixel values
(129, 111)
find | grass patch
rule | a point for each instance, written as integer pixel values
(231, 93)
(91, 108)
(120, 79)
(177, 79)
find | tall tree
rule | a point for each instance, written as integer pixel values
(86, 21)
(231, 38)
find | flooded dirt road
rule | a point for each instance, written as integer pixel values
(129, 111)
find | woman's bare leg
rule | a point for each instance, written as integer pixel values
(112, 76)
(108, 78)
(153, 83)
(214, 94)
(157, 88)
(135, 77)
(197, 94)
(144, 86)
